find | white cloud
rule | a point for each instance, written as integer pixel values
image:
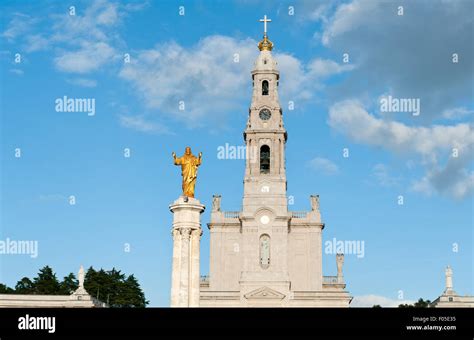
(84, 82)
(302, 82)
(348, 17)
(205, 77)
(36, 42)
(91, 38)
(324, 165)
(456, 113)
(82, 43)
(18, 25)
(295, 85)
(394, 52)
(323, 68)
(108, 15)
(320, 12)
(350, 118)
(208, 80)
(382, 176)
(371, 300)
(88, 58)
(454, 179)
(430, 143)
(17, 71)
(52, 197)
(139, 123)
(95, 24)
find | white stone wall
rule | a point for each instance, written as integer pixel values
(49, 301)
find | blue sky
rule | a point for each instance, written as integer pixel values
(192, 58)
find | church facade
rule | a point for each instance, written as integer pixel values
(266, 255)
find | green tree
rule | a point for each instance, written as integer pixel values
(46, 282)
(4, 289)
(405, 305)
(24, 286)
(419, 304)
(97, 283)
(69, 284)
(422, 303)
(113, 287)
(133, 293)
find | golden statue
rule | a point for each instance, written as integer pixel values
(189, 164)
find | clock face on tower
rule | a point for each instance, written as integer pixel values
(265, 114)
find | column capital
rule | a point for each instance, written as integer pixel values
(197, 232)
(185, 233)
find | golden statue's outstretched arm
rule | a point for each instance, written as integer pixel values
(177, 161)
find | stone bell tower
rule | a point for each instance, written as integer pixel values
(264, 210)
(265, 136)
(265, 255)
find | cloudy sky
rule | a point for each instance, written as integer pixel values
(162, 81)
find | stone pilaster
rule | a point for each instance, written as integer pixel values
(185, 268)
(175, 279)
(194, 273)
(186, 255)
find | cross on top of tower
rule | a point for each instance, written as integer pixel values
(265, 20)
(265, 44)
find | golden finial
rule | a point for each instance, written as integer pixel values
(265, 44)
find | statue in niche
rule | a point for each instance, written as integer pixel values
(265, 251)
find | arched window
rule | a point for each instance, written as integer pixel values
(264, 251)
(265, 88)
(265, 159)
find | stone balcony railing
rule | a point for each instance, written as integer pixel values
(299, 214)
(231, 214)
(327, 280)
(330, 279)
(333, 280)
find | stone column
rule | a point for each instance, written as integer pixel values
(186, 236)
(449, 278)
(185, 268)
(195, 275)
(175, 279)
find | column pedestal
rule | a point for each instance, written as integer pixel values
(186, 255)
